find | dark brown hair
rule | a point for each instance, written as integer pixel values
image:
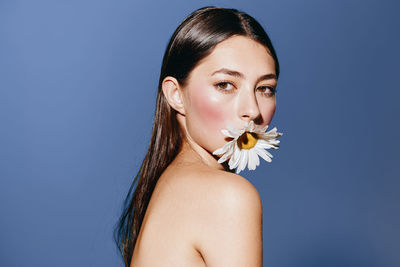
(192, 41)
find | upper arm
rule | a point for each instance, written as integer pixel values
(230, 232)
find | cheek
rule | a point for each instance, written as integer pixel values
(209, 107)
(267, 112)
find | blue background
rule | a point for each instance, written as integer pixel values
(78, 83)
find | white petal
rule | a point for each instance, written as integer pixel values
(244, 156)
(250, 127)
(227, 154)
(263, 153)
(275, 144)
(272, 132)
(256, 159)
(237, 155)
(259, 131)
(234, 161)
(264, 129)
(227, 133)
(252, 160)
(238, 167)
(274, 141)
(264, 144)
(267, 153)
(268, 137)
(235, 132)
(220, 151)
(223, 149)
(260, 148)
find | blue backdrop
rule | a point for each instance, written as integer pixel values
(78, 83)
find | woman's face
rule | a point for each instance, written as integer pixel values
(234, 84)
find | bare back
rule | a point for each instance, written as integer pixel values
(166, 237)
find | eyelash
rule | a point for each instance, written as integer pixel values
(225, 91)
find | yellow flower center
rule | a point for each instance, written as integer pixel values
(247, 140)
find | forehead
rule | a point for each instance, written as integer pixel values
(239, 53)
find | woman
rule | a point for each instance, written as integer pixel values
(188, 209)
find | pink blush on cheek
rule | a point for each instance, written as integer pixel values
(209, 108)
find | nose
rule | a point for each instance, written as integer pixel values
(248, 106)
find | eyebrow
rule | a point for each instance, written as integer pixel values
(241, 75)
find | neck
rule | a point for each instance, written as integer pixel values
(191, 152)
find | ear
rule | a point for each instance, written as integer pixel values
(173, 94)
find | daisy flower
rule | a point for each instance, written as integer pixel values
(246, 145)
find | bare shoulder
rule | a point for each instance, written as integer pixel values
(230, 229)
(207, 187)
(223, 215)
(235, 192)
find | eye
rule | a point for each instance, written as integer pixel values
(267, 90)
(224, 86)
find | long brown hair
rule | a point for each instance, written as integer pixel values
(192, 41)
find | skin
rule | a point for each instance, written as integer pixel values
(200, 214)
